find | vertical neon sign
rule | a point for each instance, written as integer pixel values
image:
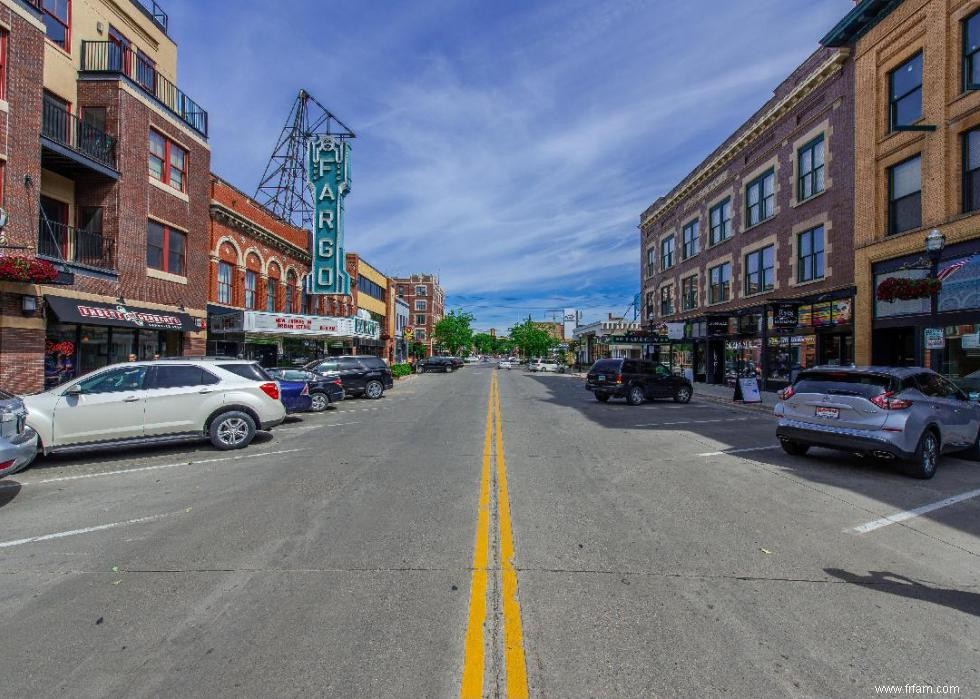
(328, 172)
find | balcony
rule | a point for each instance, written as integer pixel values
(108, 58)
(70, 145)
(154, 12)
(75, 246)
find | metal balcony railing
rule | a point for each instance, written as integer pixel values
(154, 12)
(70, 131)
(110, 57)
(75, 245)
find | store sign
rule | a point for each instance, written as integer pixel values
(289, 324)
(71, 310)
(935, 338)
(717, 326)
(784, 315)
(635, 339)
(970, 341)
(328, 170)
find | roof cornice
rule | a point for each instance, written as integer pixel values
(232, 218)
(818, 77)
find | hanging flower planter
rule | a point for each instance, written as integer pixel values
(21, 268)
(896, 289)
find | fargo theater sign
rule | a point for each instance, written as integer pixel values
(328, 172)
(290, 324)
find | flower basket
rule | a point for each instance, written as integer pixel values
(21, 268)
(897, 289)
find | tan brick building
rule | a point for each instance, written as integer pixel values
(917, 168)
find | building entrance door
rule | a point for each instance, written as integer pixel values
(893, 347)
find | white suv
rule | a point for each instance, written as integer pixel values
(223, 400)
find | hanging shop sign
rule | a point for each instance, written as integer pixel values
(785, 315)
(328, 171)
(717, 325)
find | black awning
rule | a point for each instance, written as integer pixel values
(121, 316)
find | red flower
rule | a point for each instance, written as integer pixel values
(20, 268)
(899, 289)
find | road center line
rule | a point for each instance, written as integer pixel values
(86, 530)
(157, 467)
(910, 514)
(736, 451)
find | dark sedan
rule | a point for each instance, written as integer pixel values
(443, 364)
(361, 376)
(324, 390)
(636, 380)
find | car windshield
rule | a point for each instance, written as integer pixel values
(247, 371)
(865, 385)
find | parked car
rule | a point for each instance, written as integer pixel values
(636, 380)
(508, 363)
(222, 400)
(543, 365)
(294, 394)
(323, 390)
(470, 359)
(18, 442)
(910, 414)
(971, 384)
(361, 376)
(444, 364)
(457, 362)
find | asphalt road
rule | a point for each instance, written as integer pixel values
(659, 551)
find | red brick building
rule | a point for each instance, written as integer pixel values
(106, 176)
(426, 305)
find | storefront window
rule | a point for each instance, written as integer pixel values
(743, 358)
(60, 347)
(961, 288)
(93, 348)
(787, 356)
(962, 361)
(123, 345)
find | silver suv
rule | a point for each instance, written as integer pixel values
(911, 414)
(223, 400)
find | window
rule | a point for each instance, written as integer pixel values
(667, 300)
(905, 93)
(651, 311)
(760, 270)
(250, 280)
(421, 305)
(651, 260)
(971, 52)
(247, 370)
(115, 380)
(168, 161)
(760, 199)
(971, 170)
(401, 291)
(165, 248)
(720, 282)
(720, 222)
(420, 334)
(178, 376)
(811, 161)
(224, 282)
(271, 289)
(4, 44)
(57, 22)
(420, 320)
(905, 196)
(689, 293)
(667, 253)
(290, 292)
(370, 288)
(420, 291)
(810, 255)
(692, 239)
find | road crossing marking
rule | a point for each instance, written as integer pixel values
(736, 451)
(910, 514)
(474, 659)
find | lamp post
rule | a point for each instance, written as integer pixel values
(935, 242)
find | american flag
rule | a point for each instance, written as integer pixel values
(953, 268)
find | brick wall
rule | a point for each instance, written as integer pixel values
(434, 298)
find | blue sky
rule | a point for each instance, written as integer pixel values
(508, 146)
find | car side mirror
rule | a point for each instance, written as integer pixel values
(73, 391)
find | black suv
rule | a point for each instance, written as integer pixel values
(636, 380)
(445, 364)
(361, 376)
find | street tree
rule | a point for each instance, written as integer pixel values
(532, 340)
(453, 331)
(484, 343)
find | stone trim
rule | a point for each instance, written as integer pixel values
(233, 219)
(729, 258)
(168, 189)
(820, 220)
(772, 240)
(827, 131)
(165, 276)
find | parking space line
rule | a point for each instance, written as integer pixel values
(910, 514)
(301, 428)
(736, 451)
(86, 530)
(694, 422)
(156, 467)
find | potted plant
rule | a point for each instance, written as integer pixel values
(899, 289)
(22, 268)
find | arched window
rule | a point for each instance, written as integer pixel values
(272, 288)
(253, 265)
(290, 292)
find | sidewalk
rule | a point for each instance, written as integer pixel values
(723, 394)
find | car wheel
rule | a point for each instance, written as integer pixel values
(602, 397)
(318, 402)
(682, 395)
(923, 464)
(634, 396)
(795, 448)
(374, 390)
(447, 369)
(232, 430)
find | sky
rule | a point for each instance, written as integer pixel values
(508, 146)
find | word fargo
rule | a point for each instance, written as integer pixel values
(328, 171)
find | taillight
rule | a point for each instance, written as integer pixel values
(338, 382)
(271, 389)
(6, 464)
(886, 402)
(787, 393)
(306, 390)
(619, 378)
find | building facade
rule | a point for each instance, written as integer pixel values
(609, 338)
(747, 264)
(371, 291)
(426, 303)
(401, 314)
(917, 108)
(258, 307)
(106, 177)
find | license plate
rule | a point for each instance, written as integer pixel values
(600, 378)
(828, 412)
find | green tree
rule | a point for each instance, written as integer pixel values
(503, 345)
(532, 340)
(484, 343)
(417, 349)
(453, 331)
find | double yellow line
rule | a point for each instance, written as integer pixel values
(474, 660)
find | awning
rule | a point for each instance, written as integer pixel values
(121, 316)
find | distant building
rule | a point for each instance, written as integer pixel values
(370, 288)
(426, 302)
(556, 330)
(603, 339)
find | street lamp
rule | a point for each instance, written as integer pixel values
(935, 242)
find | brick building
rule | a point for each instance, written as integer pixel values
(106, 175)
(747, 264)
(258, 307)
(917, 105)
(426, 305)
(371, 290)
